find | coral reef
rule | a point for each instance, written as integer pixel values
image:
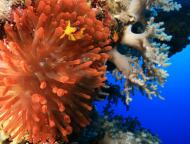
(52, 61)
(54, 57)
(144, 72)
(114, 130)
(177, 24)
(129, 138)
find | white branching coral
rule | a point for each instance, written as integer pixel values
(166, 5)
(131, 70)
(141, 73)
(159, 31)
(5, 8)
(146, 72)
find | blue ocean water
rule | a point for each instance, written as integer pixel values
(169, 118)
(183, 2)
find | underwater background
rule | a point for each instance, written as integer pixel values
(67, 101)
(169, 118)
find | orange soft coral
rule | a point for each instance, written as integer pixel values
(51, 64)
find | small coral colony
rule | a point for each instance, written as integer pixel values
(55, 55)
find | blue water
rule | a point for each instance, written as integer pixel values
(183, 2)
(169, 119)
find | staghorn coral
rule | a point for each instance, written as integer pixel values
(51, 64)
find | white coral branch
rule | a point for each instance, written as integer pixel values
(137, 41)
(158, 32)
(136, 9)
(166, 5)
(134, 75)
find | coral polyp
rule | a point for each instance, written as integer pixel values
(52, 63)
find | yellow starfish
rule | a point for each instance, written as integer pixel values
(72, 32)
(69, 30)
